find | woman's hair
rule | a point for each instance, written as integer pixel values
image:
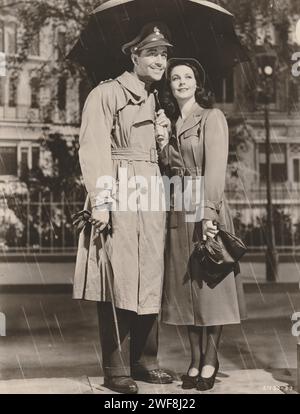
(203, 97)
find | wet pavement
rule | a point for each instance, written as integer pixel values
(52, 346)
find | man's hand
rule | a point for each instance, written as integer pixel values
(209, 229)
(100, 219)
(162, 127)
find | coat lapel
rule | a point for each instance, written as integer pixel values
(192, 120)
(135, 92)
(146, 111)
(133, 88)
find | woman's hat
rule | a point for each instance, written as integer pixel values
(151, 35)
(172, 63)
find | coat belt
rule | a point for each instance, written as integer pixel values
(131, 154)
(188, 171)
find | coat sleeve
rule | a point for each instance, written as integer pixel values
(95, 144)
(216, 157)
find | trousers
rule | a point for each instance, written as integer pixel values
(138, 338)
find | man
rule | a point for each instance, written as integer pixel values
(118, 134)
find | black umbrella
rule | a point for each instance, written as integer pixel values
(199, 29)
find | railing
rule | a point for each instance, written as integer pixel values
(41, 222)
(249, 213)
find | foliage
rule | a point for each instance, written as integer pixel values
(65, 168)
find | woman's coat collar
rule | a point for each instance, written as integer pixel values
(191, 120)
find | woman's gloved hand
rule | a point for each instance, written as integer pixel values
(209, 229)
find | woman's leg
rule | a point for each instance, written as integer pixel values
(195, 337)
(211, 352)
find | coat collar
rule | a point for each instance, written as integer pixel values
(134, 88)
(190, 121)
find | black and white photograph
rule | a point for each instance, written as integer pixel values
(150, 199)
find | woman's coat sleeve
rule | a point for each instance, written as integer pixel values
(216, 157)
(95, 144)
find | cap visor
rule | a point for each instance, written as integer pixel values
(156, 44)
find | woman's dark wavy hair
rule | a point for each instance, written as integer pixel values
(203, 97)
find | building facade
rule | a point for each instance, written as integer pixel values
(33, 105)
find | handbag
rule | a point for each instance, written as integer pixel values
(218, 256)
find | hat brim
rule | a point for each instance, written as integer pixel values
(173, 62)
(127, 48)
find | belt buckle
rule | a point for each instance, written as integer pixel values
(179, 172)
(153, 155)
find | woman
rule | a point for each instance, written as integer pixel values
(187, 300)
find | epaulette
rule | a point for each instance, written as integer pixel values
(106, 81)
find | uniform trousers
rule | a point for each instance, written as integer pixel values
(138, 337)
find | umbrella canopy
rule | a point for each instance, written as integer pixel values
(199, 29)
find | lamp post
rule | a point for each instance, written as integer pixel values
(266, 62)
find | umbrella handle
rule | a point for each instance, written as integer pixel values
(157, 101)
(107, 267)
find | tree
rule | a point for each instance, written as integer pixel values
(252, 21)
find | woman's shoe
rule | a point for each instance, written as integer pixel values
(189, 382)
(205, 384)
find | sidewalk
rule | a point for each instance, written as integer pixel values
(52, 345)
(231, 382)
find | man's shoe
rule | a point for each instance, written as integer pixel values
(155, 376)
(123, 385)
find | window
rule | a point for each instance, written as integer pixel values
(35, 92)
(35, 157)
(62, 94)
(11, 32)
(12, 100)
(35, 45)
(61, 44)
(30, 159)
(278, 163)
(224, 89)
(2, 44)
(296, 170)
(2, 91)
(24, 162)
(8, 161)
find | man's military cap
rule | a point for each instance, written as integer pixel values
(151, 35)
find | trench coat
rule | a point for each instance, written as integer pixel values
(198, 143)
(117, 137)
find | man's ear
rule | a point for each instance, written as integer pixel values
(134, 58)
